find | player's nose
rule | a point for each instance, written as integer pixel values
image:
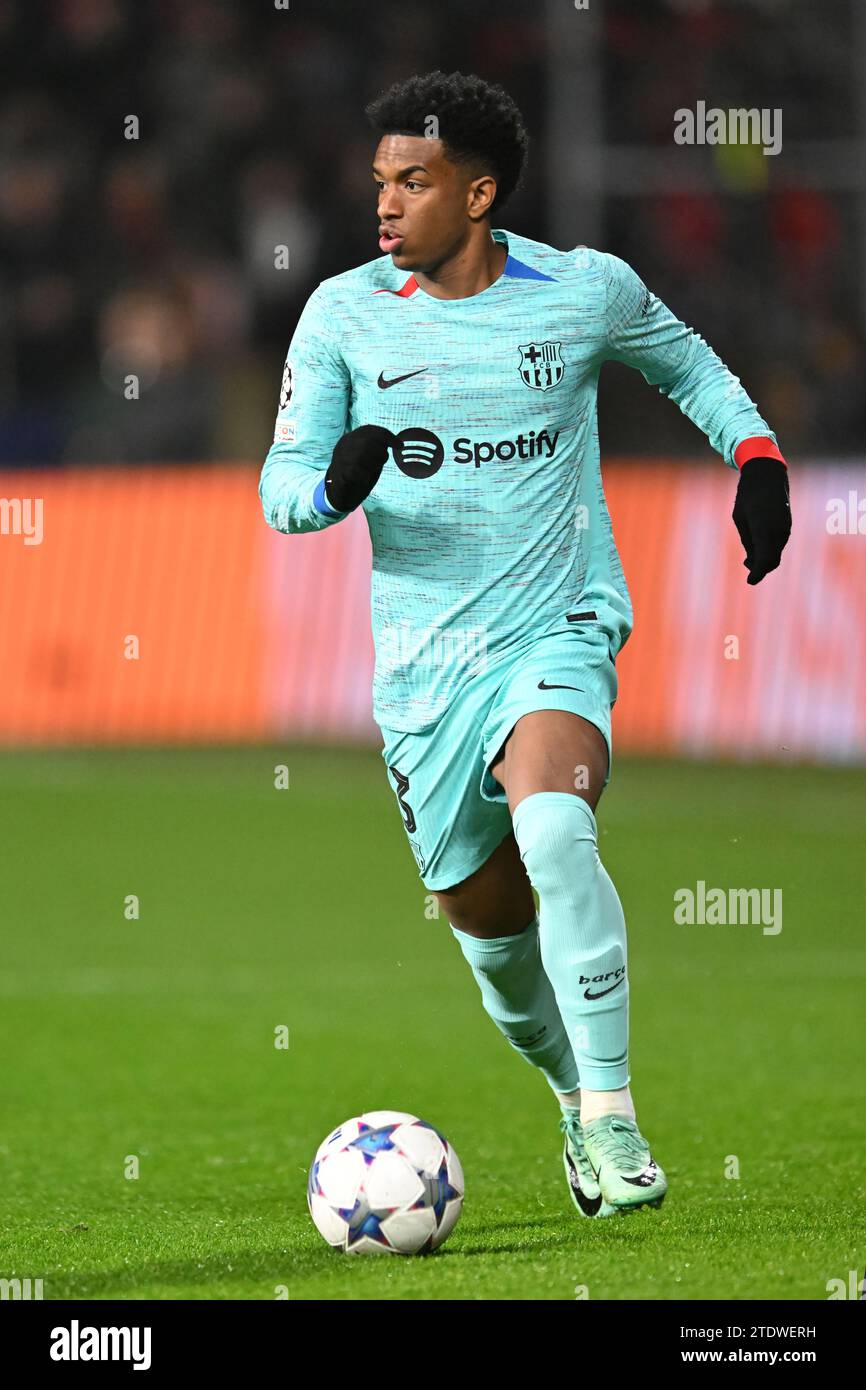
(388, 207)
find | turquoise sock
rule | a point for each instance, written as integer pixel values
(519, 998)
(581, 932)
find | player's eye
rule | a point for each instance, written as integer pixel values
(413, 183)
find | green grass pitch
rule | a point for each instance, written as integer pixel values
(154, 1038)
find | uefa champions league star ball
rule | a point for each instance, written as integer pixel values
(385, 1183)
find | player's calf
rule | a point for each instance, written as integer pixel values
(582, 932)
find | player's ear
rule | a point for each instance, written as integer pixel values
(482, 191)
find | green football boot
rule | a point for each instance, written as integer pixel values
(627, 1175)
(585, 1191)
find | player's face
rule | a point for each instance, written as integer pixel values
(424, 201)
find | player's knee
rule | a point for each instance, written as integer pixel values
(499, 959)
(471, 914)
(557, 836)
(495, 900)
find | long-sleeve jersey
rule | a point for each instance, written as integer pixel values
(488, 523)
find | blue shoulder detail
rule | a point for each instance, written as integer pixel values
(520, 271)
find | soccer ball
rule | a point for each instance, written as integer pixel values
(385, 1183)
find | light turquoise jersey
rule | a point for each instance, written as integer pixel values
(488, 524)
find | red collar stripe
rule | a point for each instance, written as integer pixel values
(410, 287)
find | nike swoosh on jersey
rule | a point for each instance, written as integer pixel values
(395, 381)
(542, 685)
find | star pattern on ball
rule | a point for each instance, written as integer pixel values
(371, 1229)
(373, 1141)
(444, 1191)
(313, 1181)
(350, 1197)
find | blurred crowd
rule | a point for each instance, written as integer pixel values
(153, 155)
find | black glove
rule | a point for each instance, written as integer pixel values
(356, 463)
(762, 515)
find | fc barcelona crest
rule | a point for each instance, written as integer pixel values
(541, 365)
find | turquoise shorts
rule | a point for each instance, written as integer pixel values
(454, 811)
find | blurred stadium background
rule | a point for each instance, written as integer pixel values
(155, 256)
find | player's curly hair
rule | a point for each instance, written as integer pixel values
(478, 122)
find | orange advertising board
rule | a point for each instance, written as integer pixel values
(155, 605)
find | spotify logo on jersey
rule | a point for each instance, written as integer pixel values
(418, 453)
